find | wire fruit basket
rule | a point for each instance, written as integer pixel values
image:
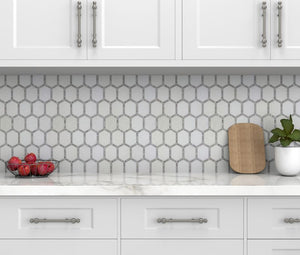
(41, 168)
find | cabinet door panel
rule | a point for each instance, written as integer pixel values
(273, 247)
(266, 218)
(179, 247)
(35, 29)
(133, 29)
(98, 218)
(218, 29)
(290, 48)
(65, 247)
(224, 218)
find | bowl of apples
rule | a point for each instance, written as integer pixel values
(31, 167)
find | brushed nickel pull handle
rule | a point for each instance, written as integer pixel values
(94, 40)
(279, 35)
(71, 220)
(79, 39)
(291, 220)
(165, 220)
(264, 15)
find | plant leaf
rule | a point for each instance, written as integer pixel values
(279, 132)
(291, 119)
(288, 126)
(274, 139)
(295, 136)
(285, 142)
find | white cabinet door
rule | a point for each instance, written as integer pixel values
(97, 218)
(132, 29)
(35, 29)
(273, 247)
(224, 218)
(59, 247)
(269, 218)
(231, 29)
(290, 32)
(180, 247)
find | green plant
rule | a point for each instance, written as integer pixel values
(287, 135)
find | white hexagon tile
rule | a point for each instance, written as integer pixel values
(138, 123)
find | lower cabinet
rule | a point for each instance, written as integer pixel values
(150, 226)
(62, 226)
(273, 218)
(208, 218)
(52, 218)
(273, 226)
(273, 247)
(181, 247)
(59, 247)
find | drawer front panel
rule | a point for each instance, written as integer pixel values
(65, 247)
(98, 218)
(278, 247)
(179, 247)
(140, 218)
(266, 218)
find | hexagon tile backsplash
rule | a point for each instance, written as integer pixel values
(159, 123)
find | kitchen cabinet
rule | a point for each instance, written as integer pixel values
(224, 218)
(273, 218)
(273, 226)
(42, 29)
(85, 29)
(273, 247)
(61, 247)
(96, 218)
(131, 29)
(250, 29)
(150, 225)
(231, 29)
(179, 247)
(149, 33)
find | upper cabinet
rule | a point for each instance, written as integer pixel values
(42, 29)
(231, 29)
(154, 33)
(131, 29)
(85, 29)
(285, 31)
(234, 29)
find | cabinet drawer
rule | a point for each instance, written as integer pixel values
(273, 247)
(98, 218)
(179, 247)
(266, 218)
(65, 247)
(140, 218)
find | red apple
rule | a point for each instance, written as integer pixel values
(14, 163)
(30, 158)
(42, 168)
(34, 169)
(50, 167)
(24, 170)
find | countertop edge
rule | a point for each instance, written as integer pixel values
(150, 190)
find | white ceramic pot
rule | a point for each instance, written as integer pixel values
(287, 160)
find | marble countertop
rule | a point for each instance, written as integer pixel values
(222, 184)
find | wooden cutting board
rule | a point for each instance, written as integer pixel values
(246, 148)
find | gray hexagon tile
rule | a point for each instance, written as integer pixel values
(138, 123)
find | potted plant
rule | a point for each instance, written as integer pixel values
(287, 154)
